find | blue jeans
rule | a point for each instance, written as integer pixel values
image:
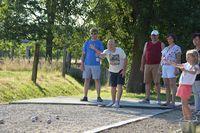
(196, 92)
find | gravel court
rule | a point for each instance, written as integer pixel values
(72, 118)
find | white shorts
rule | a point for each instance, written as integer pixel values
(168, 71)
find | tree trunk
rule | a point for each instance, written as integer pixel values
(64, 61)
(68, 61)
(135, 82)
(12, 53)
(51, 9)
(35, 62)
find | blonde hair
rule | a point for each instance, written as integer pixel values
(194, 53)
(111, 41)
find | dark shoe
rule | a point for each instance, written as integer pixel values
(84, 99)
(172, 106)
(145, 101)
(165, 104)
(99, 99)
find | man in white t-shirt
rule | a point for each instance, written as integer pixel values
(117, 68)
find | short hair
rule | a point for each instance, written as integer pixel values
(194, 53)
(112, 40)
(195, 35)
(93, 30)
(172, 35)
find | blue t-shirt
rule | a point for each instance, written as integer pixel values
(91, 58)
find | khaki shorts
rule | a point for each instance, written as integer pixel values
(151, 72)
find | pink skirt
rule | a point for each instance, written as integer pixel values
(184, 91)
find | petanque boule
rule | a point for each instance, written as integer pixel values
(34, 118)
(2, 121)
(49, 121)
(57, 117)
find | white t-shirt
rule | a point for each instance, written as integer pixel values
(187, 78)
(115, 59)
(169, 54)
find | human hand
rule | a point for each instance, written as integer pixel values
(122, 72)
(141, 68)
(176, 71)
(81, 67)
(92, 46)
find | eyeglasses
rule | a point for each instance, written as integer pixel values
(93, 33)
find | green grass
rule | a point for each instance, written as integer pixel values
(15, 85)
(15, 82)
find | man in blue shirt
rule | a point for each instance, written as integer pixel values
(90, 64)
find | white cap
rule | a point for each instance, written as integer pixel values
(155, 32)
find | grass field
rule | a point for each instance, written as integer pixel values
(15, 83)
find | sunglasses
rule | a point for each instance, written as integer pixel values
(93, 33)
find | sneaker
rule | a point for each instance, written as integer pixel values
(84, 99)
(99, 99)
(110, 104)
(158, 102)
(172, 106)
(116, 105)
(165, 104)
(146, 101)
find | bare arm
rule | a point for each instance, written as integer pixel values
(178, 58)
(82, 61)
(162, 45)
(123, 72)
(178, 61)
(143, 58)
(101, 55)
(192, 71)
(176, 64)
(96, 50)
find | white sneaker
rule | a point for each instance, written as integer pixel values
(110, 104)
(116, 105)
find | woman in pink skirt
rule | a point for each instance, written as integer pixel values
(189, 71)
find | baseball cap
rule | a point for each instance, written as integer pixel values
(155, 32)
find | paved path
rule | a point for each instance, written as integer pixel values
(75, 101)
(74, 116)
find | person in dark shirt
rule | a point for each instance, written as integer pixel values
(196, 85)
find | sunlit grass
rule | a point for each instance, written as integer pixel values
(16, 85)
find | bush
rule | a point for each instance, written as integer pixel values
(77, 74)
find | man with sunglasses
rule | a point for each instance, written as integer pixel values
(90, 64)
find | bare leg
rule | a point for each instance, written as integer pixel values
(97, 86)
(168, 92)
(157, 87)
(119, 93)
(173, 89)
(186, 110)
(147, 89)
(113, 94)
(86, 87)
